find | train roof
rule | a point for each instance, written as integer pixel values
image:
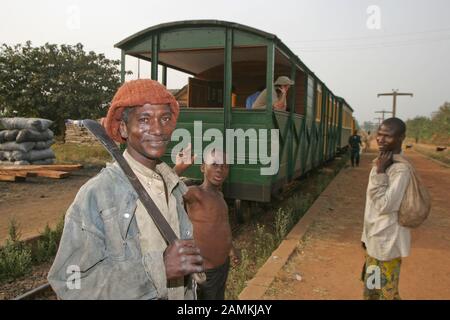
(346, 103)
(144, 34)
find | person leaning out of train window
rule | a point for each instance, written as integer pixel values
(279, 94)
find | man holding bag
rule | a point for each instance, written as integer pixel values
(386, 233)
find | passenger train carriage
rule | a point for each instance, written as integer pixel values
(227, 62)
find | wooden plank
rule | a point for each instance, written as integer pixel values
(51, 174)
(17, 173)
(11, 178)
(56, 167)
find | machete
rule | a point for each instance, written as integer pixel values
(161, 223)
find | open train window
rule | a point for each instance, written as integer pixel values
(204, 87)
(248, 75)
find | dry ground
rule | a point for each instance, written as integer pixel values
(38, 201)
(328, 262)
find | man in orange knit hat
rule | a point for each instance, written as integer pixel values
(110, 247)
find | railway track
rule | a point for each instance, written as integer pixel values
(34, 294)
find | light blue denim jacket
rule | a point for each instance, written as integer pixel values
(101, 240)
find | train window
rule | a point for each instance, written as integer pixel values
(249, 75)
(202, 74)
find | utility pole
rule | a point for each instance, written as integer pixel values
(383, 112)
(379, 120)
(394, 94)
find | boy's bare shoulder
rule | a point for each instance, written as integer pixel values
(193, 193)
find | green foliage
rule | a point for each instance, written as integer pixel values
(13, 230)
(434, 130)
(419, 128)
(56, 82)
(283, 223)
(47, 245)
(15, 256)
(238, 276)
(265, 243)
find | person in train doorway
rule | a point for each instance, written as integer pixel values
(385, 240)
(208, 212)
(279, 94)
(110, 247)
(355, 144)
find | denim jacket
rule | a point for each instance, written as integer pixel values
(99, 256)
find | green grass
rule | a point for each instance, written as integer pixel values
(73, 153)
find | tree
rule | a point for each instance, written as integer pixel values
(56, 82)
(418, 128)
(441, 124)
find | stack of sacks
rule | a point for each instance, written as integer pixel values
(26, 141)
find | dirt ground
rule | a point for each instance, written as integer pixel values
(38, 201)
(328, 261)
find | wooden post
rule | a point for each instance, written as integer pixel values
(155, 48)
(228, 82)
(122, 66)
(164, 76)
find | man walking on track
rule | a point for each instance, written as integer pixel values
(355, 143)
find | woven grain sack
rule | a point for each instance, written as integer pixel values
(25, 123)
(14, 146)
(3, 155)
(14, 163)
(34, 135)
(44, 162)
(33, 155)
(416, 203)
(44, 144)
(8, 135)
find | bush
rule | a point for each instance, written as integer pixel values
(15, 256)
(283, 223)
(47, 245)
(265, 243)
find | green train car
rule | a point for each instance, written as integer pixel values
(227, 62)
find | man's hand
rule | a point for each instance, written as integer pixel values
(384, 160)
(184, 160)
(182, 258)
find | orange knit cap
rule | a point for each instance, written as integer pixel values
(133, 94)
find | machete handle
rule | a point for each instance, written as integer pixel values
(199, 277)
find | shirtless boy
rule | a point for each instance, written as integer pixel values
(208, 213)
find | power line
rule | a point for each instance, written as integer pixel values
(382, 113)
(373, 37)
(372, 46)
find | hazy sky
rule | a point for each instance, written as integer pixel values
(339, 40)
